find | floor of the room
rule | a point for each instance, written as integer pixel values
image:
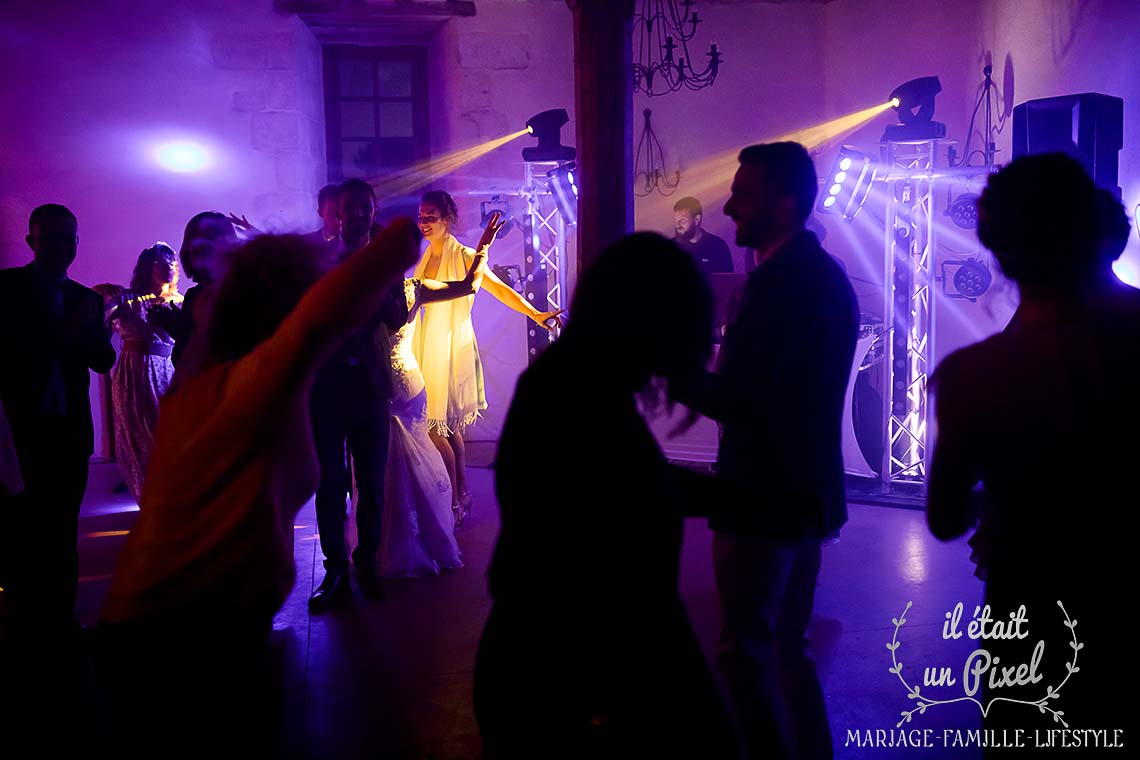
(393, 678)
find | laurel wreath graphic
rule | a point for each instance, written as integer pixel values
(923, 702)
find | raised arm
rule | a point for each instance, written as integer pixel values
(503, 293)
(346, 297)
(342, 300)
(512, 299)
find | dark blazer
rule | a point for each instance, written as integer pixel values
(359, 347)
(34, 339)
(780, 393)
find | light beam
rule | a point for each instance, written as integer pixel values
(713, 175)
(428, 171)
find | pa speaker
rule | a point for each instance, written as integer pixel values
(1089, 127)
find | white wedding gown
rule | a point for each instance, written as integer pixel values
(418, 526)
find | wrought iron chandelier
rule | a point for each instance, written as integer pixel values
(649, 165)
(662, 31)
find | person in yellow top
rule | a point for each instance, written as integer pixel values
(445, 344)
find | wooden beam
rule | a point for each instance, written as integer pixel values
(603, 116)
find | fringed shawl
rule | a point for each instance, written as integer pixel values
(445, 347)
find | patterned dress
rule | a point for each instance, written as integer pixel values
(139, 379)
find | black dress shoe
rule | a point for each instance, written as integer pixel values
(333, 588)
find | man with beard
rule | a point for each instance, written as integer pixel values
(779, 392)
(710, 252)
(349, 405)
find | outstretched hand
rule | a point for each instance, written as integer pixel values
(544, 318)
(242, 223)
(494, 224)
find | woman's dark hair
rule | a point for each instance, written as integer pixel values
(1040, 217)
(679, 342)
(211, 225)
(266, 278)
(143, 277)
(444, 202)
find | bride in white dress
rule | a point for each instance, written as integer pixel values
(418, 522)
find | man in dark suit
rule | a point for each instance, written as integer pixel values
(53, 334)
(350, 407)
(779, 393)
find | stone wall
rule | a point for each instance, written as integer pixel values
(284, 100)
(100, 85)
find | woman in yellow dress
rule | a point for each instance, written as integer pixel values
(445, 344)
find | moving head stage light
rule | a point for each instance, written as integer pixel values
(915, 108)
(547, 127)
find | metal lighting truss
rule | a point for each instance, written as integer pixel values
(546, 267)
(546, 273)
(909, 287)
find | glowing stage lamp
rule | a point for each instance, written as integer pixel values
(182, 157)
(1127, 272)
(914, 103)
(848, 183)
(547, 127)
(564, 188)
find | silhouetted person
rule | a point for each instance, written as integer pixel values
(207, 242)
(350, 410)
(779, 392)
(709, 251)
(588, 651)
(327, 209)
(1044, 415)
(1115, 232)
(52, 336)
(210, 560)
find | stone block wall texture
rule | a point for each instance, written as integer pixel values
(490, 73)
(102, 85)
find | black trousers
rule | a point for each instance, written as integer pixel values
(767, 591)
(348, 413)
(39, 527)
(592, 681)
